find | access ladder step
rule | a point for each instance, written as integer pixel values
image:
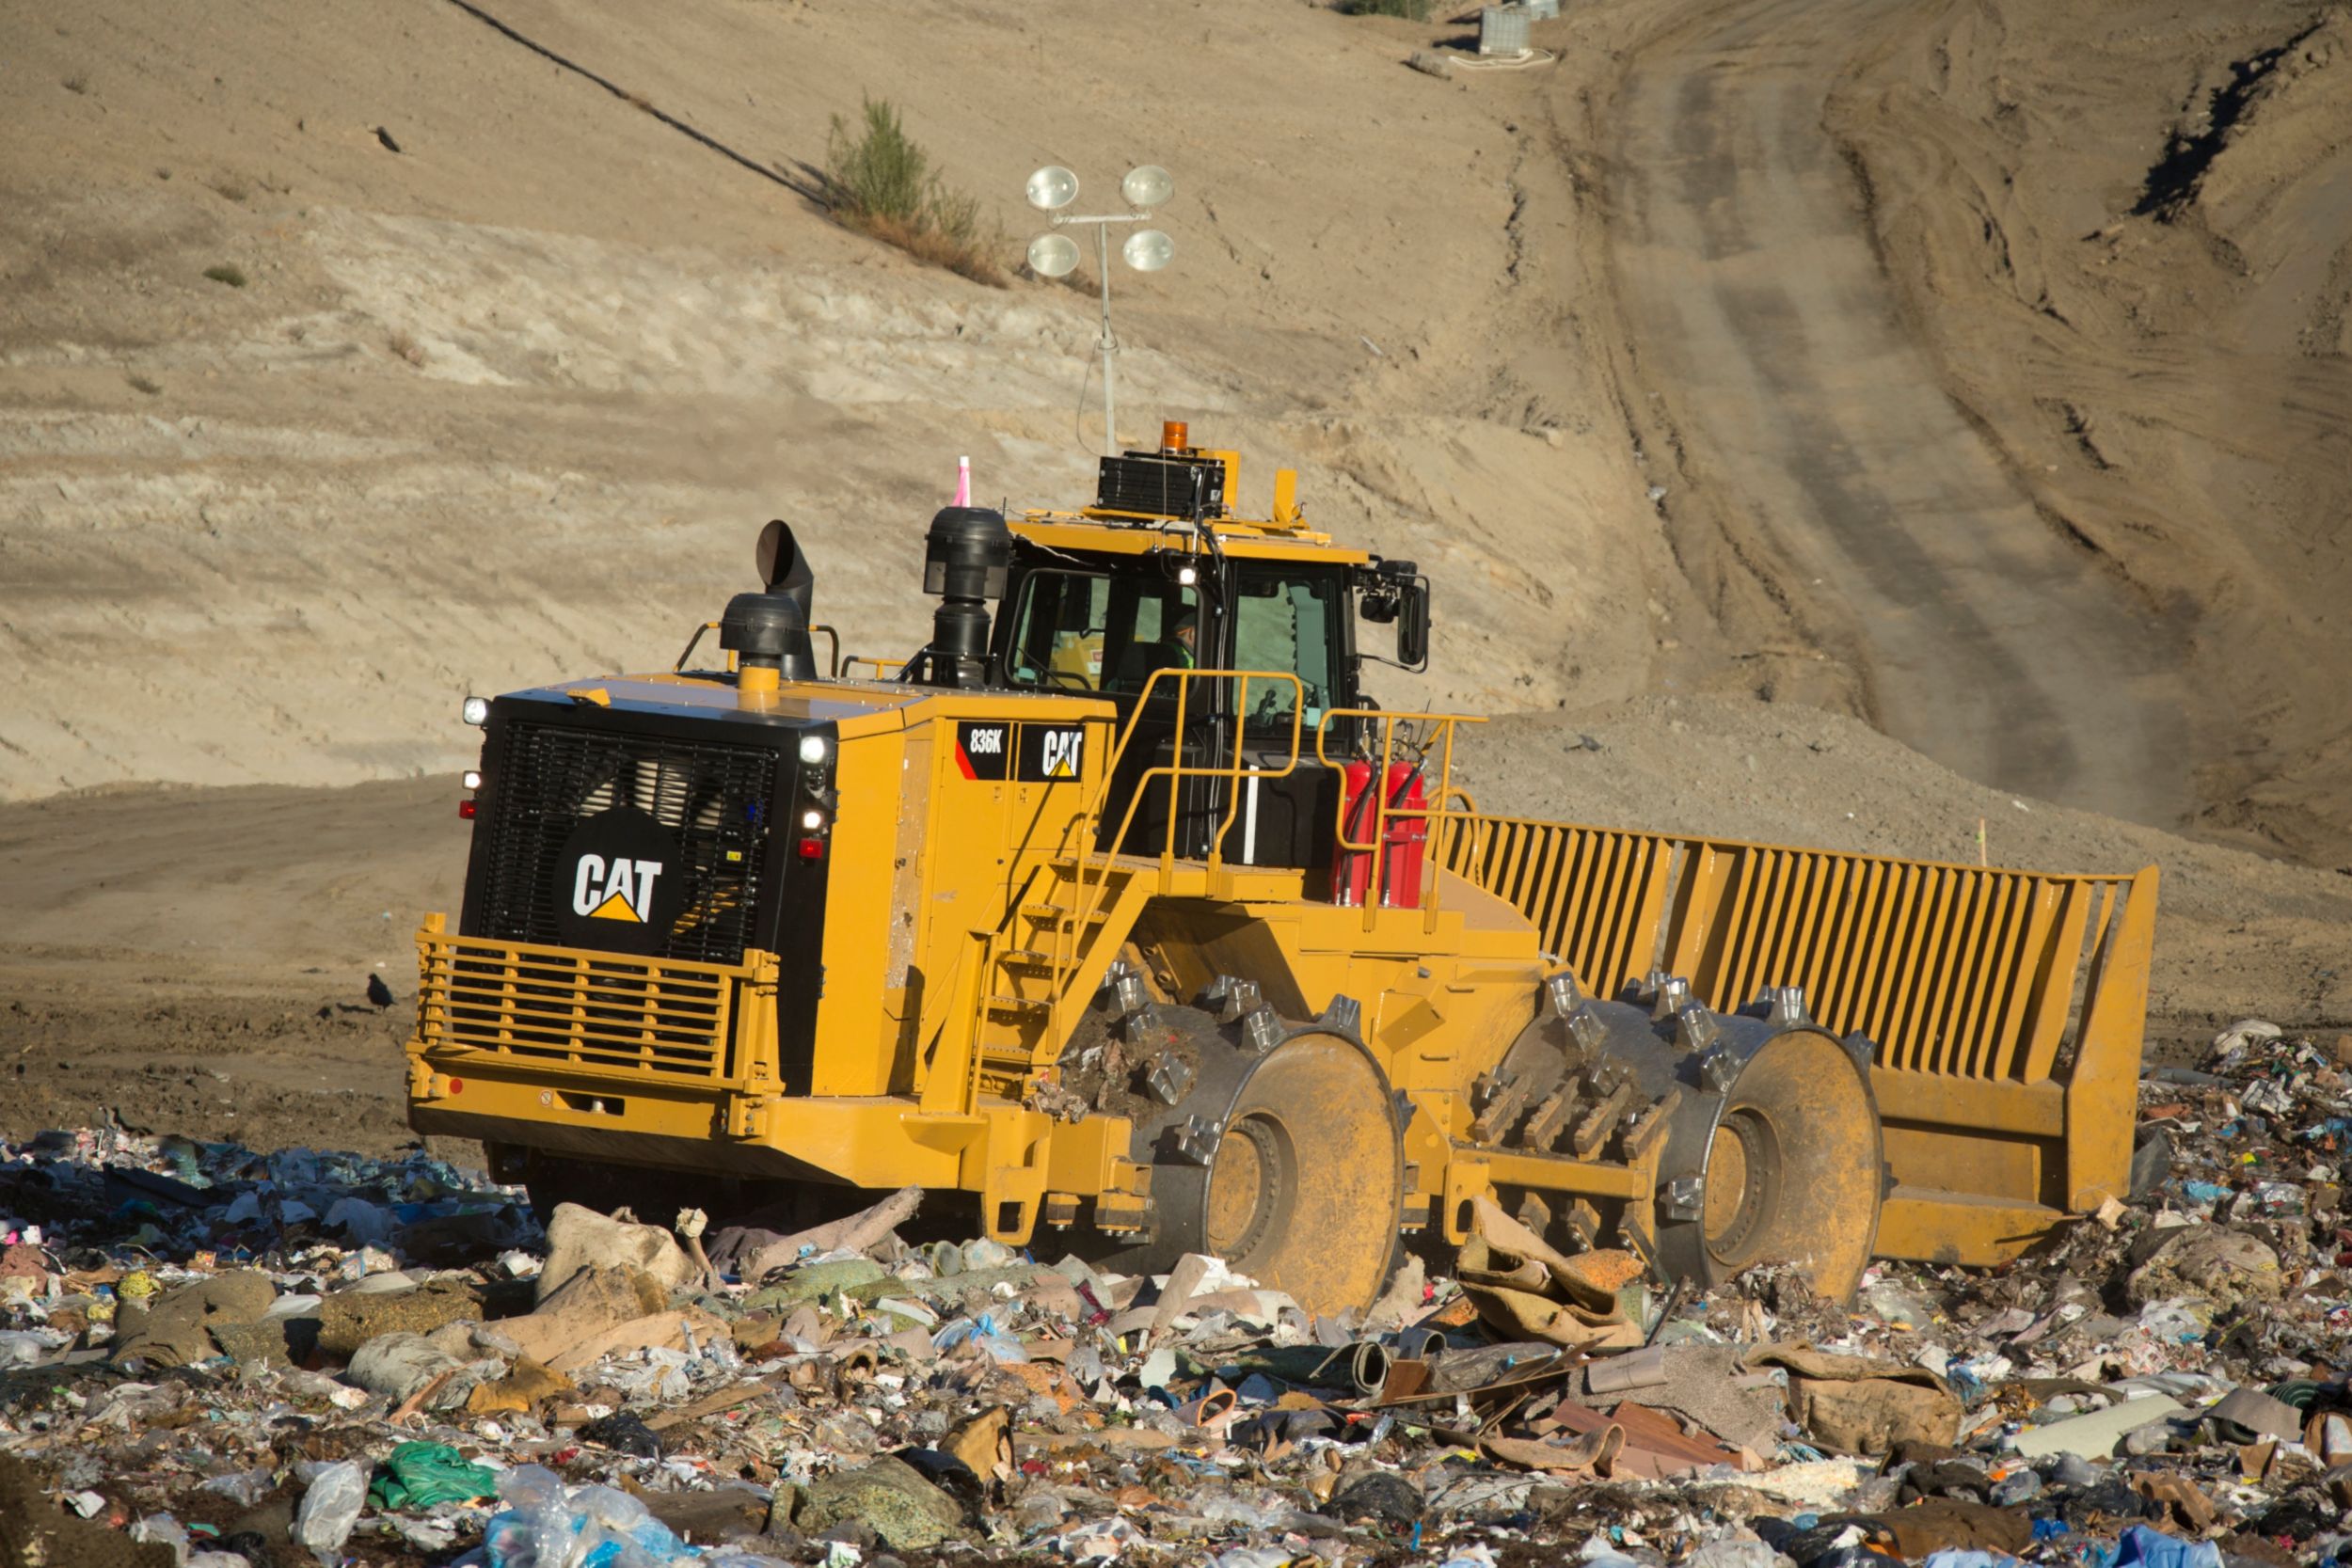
(1020, 1006)
(1059, 916)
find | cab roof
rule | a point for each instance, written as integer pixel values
(1242, 539)
(1122, 523)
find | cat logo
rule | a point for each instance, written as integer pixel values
(620, 892)
(1061, 752)
(1024, 753)
(618, 883)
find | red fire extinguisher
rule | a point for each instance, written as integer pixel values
(1402, 841)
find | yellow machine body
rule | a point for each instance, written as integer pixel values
(972, 925)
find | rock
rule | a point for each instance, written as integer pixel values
(905, 1510)
(2227, 1268)
(578, 1237)
(349, 1319)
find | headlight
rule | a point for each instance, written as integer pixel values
(476, 711)
(812, 748)
(812, 821)
(472, 777)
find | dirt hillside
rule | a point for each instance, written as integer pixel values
(511, 401)
(2126, 231)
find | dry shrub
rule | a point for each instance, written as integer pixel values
(879, 182)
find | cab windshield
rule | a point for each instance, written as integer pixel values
(1093, 631)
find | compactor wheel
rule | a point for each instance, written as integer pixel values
(1304, 1189)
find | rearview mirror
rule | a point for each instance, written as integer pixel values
(1412, 626)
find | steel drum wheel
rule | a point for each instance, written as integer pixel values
(1793, 1168)
(1304, 1192)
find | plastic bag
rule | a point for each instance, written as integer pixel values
(2142, 1548)
(426, 1474)
(998, 1346)
(329, 1509)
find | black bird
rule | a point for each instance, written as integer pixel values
(378, 992)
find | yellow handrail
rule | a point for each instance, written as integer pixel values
(884, 668)
(1086, 828)
(1436, 813)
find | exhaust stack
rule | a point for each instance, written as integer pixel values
(966, 557)
(767, 631)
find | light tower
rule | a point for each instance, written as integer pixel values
(1053, 188)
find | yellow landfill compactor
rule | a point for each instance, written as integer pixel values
(1122, 909)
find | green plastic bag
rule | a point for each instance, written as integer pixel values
(417, 1476)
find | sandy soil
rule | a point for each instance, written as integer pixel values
(1897, 535)
(2126, 229)
(2001, 353)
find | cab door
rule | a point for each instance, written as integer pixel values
(1294, 617)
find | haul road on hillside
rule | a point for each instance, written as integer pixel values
(1122, 909)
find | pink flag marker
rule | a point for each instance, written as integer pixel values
(964, 482)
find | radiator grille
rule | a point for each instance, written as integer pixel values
(714, 798)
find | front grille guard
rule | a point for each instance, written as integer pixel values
(603, 1015)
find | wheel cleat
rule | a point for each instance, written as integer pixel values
(1718, 1069)
(1168, 1077)
(1671, 996)
(1562, 996)
(1683, 1199)
(1695, 1029)
(1196, 1142)
(1345, 1015)
(1784, 1006)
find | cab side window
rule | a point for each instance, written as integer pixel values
(1286, 621)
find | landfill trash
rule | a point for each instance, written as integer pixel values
(212, 1358)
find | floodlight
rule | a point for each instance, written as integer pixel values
(1147, 185)
(1054, 187)
(1148, 250)
(1053, 255)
